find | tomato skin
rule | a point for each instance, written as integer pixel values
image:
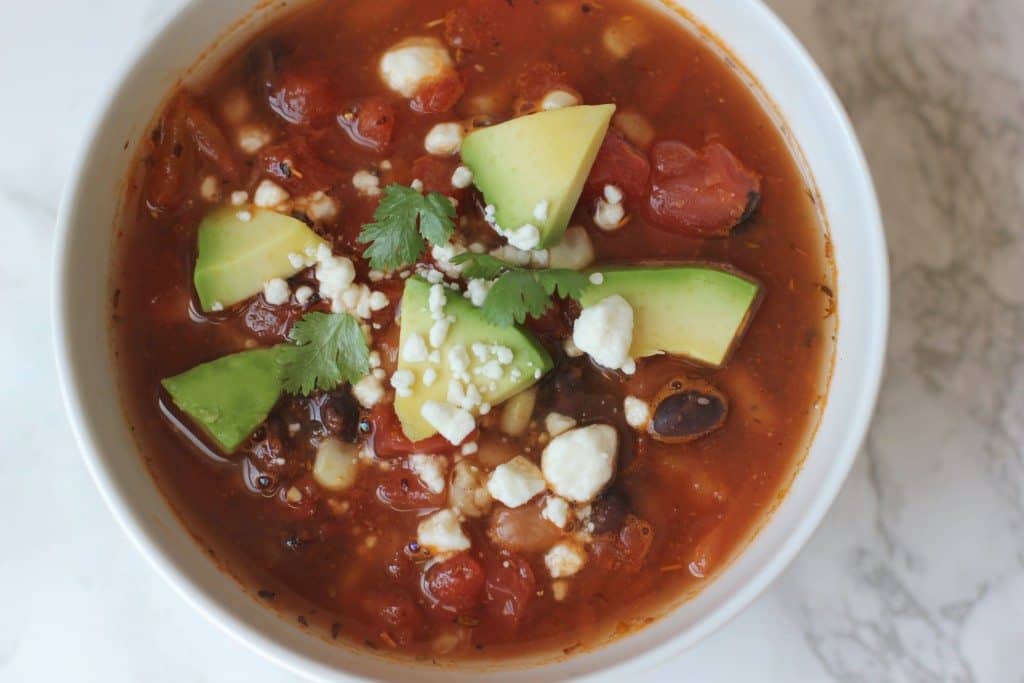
(304, 94)
(509, 588)
(621, 164)
(394, 612)
(390, 442)
(455, 585)
(703, 194)
(371, 123)
(438, 95)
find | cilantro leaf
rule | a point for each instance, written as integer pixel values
(519, 292)
(328, 349)
(401, 222)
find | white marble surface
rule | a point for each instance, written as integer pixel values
(917, 574)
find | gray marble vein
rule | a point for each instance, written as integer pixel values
(917, 586)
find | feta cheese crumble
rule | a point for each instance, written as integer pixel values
(580, 462)
(402, 381)
(276, 291)
(462, 177)
(515, 482)
(637, 412)
(409, 64)
(558, 99)
(565, 559)
(368, 391)
(441, 533)
(444, 139)
(556, 511)
(366, 183)
(556, 423)
(415, 349)
(451, 422)
(575, 250)
(269, 194)
(604, 331)
(430, 469)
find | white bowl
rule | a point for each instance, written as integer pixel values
(813, 119)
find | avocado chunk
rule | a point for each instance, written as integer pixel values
(236, 257)
(228, 397)
(695, 311)
(532, 168)
(499, 362)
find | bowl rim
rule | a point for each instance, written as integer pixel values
(86, 438)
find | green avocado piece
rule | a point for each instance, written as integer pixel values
(696, 311)
(236, 257)
(528, 364)
(229, 397)
(520, 164)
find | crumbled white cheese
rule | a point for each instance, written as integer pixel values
(444, 139)
(608, 216)
(402, 381)
(366, 183)
(269, 194)
(556, 510)
(368, 391)
(564, 559)
(239, 197)
(580, 462)
(430, 469)
(296, 260)
(470, 448)
(443, 255)
(476, 291)
(462, 177)
(503, 354)
(558, 99)
(276, 291)
(515, 482)
(245, 216)
(465, 396)
(525, 237)
(439, 332)
(441, 533)
(321, 207)
(209, 189)
(458, 362)
(216, 306)
(416, 184)
(409, 64)
(604, 331)
(451, 422)
(596, 278)
(540, 211)
(613, 194)
(429, 377)
(303, 294)
(556, 423)
(374, 359)
(436, 299)
(415, 349)
(252, 137)
(334, 273)
(637, 412)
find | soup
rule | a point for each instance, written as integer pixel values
(472, 328)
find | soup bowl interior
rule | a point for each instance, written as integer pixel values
(196, 39)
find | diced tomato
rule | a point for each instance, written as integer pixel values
(703, 194)
(295, 166)
(456, 585)
(403, 490)
(270, 323)
(484, 24)
(209, 138)
(373, 124)
(164, 190)
(390, 442)
(395, 613)
(509, 588)
(438, 95)
(624, 550)
(436, 174)
(305, 94)
(620, 164)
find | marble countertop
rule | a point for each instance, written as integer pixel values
(916, 574)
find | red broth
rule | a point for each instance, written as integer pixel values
(307, 92)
